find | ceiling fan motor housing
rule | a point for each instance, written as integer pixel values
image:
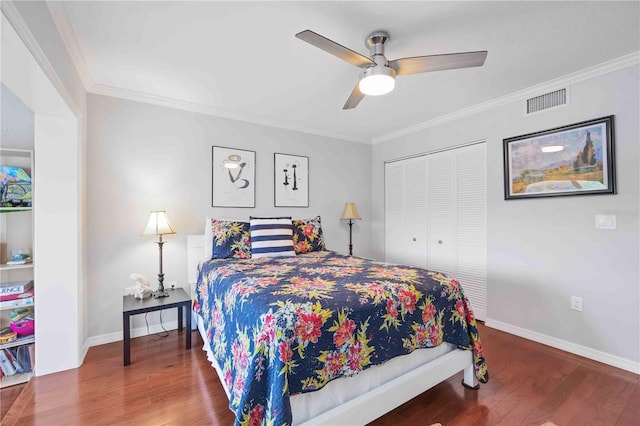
(375, 42)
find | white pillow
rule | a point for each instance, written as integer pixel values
(271, 237)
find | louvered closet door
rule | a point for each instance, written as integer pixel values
(441, 210)
(394, 244)
(405, 212)
(416, 210)
(457, 219)
(471, 224)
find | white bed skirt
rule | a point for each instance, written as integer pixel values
(311, 406)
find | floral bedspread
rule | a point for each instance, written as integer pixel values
(281, 326)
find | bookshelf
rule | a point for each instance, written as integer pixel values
(5, 267)
(16, 232)
(19, 342)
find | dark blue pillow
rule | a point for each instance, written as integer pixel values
(230, 239)
(307, 235)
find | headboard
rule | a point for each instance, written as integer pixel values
(195, 255)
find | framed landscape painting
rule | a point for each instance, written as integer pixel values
(570, 160)
(291, 180)
(233, 177)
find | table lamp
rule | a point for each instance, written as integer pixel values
(159, 225)
(350, 213)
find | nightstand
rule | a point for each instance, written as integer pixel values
(178, 298)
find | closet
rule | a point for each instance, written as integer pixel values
(405, 212)
(436, 216)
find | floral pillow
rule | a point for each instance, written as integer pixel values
(307, 235)
(230, 239)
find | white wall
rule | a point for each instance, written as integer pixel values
(16, 119)
(143, 157)
(38, 69)
(43, 31)
(542, 251)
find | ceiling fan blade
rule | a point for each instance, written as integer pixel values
(354, 99)
(418, 64)
(336, 49)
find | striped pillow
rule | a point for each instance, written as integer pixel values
(271, 237)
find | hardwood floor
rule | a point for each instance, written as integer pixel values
(529, 385)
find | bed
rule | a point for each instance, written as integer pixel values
(323, 338)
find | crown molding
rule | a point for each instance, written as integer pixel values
(133, 95)
(551, 85)
(22, 29)
(60, 19)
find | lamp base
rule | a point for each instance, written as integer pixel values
(160, 293)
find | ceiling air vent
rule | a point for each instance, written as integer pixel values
(548, 100)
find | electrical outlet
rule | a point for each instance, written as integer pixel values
(576, 303)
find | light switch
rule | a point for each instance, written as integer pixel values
(605, 221)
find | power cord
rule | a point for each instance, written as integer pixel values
(161, 335)
(166, 332)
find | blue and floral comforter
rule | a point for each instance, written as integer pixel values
(281, 326)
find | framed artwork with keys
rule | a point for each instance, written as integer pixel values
(291, 180)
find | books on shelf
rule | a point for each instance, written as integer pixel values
(15, 360)
(5, 365)
(9, 289)
(22, 299)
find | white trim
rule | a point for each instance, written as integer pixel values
(60, 19)
(434, 151)
(132, 95)
(593, 354)
(565, 81)
(22, 29)
(85, 349)
(102, 339)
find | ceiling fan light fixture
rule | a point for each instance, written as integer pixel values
(378, 80)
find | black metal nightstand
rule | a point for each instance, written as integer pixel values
(178, 298)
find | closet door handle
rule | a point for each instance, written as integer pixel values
(414, 238)
(439, 241)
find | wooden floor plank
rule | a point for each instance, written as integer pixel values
(630, 415)
(165, 384)
(606, 402)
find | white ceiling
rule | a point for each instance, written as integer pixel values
(241, 59)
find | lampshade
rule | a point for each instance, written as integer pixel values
(378, 80)
(350, 211)
(158, 224)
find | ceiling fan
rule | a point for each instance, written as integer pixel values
(378, 75)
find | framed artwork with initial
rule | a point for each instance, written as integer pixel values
(291, 180)
(233, 176)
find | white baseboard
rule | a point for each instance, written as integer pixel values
(135, 332)
(596, 355)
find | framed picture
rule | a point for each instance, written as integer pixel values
(571, 160)
(233, 177)
(291, 180)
